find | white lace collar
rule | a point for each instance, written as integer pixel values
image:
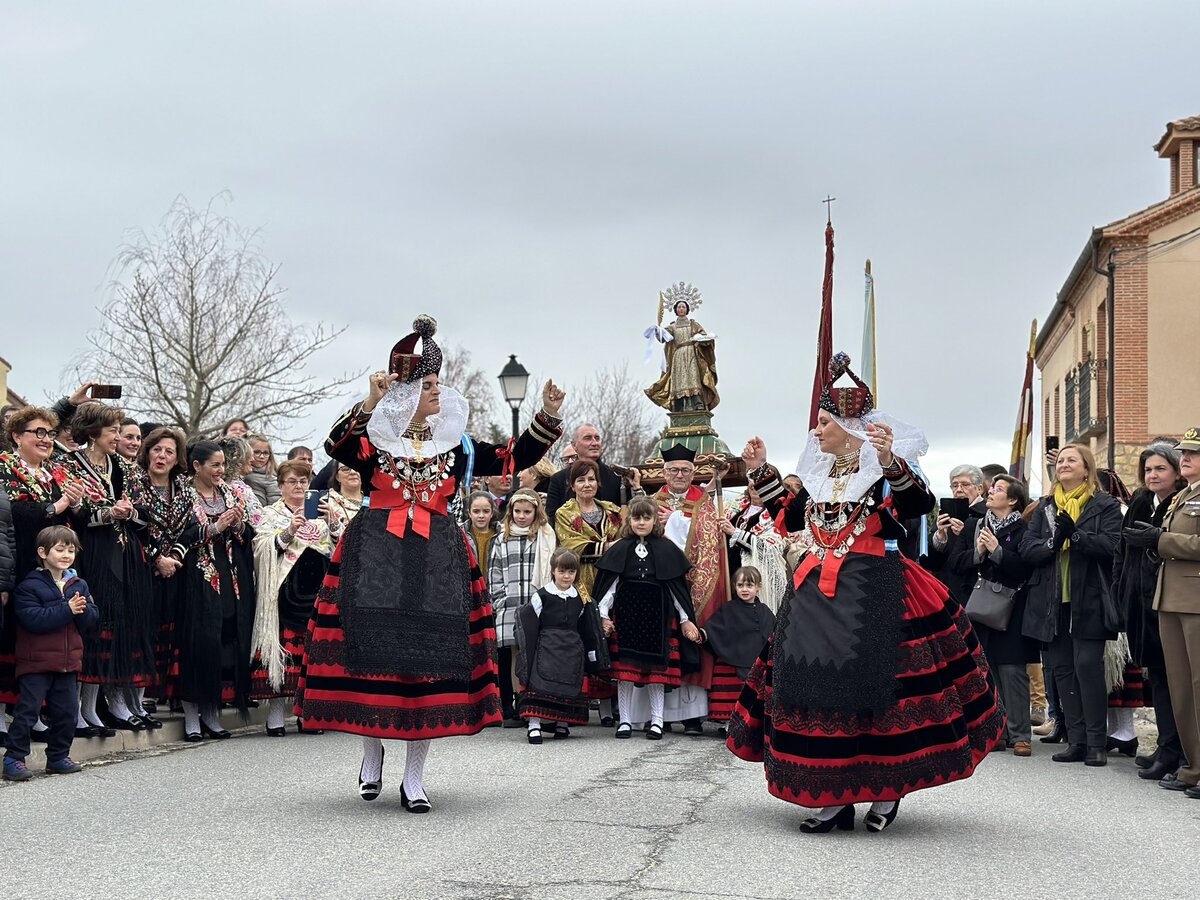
(815, 466)
(391, 418)
(552, 588)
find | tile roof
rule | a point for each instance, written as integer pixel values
(1191, 123)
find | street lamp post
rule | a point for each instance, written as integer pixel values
(514, 382)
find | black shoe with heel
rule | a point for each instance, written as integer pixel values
(1156, 771)
(219, 733)
(369, 790)
(416, 805)
(843, 821)
(1125, 748)
(879, 821)
(1057, 736)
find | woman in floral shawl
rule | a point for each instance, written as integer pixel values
(291, 554)
(162, 492)
(216, 603)
(119, 655)
(41, 492)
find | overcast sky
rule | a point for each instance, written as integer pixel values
(532, 174)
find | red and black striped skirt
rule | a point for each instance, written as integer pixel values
(331, 697)
(532, 704)
(293, 645)
(941, 725)
(1135, 692)
(640, 674)
(724, 692)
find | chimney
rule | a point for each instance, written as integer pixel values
(1179, 145)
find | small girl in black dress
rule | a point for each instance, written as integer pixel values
(646, 612)
(558, 639)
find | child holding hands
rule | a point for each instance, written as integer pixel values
(646, 612)
(53, 608)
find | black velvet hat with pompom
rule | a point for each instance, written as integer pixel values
(845, 402)
(410, 365)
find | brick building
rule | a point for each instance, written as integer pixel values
(8, 397)
(1156, 280)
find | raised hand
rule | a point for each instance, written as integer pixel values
(378, 385)
(755, 453)
(81, 396)
(298, 522)
(881, 438)
(552, 398)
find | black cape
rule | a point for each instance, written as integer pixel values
(670, 567)
(738, 631)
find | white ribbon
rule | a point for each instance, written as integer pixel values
(656, 336)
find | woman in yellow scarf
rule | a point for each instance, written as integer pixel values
(1072, 541)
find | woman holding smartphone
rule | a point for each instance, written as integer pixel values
(292, 546)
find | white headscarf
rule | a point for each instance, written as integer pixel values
(815, 466)
(395, 411)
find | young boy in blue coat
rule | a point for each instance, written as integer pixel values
(53, 607)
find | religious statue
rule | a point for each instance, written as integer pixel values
(689, 372)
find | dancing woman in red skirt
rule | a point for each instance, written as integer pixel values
(873, 684)
(402, 642)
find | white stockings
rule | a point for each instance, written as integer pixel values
(657, 695)
(277, 711)
(414, 765)
(88, 695)
(372, 764)
(1120, 724)
(414, 769)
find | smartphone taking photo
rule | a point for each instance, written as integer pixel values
(312, 504)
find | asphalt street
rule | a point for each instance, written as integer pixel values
(591, 818)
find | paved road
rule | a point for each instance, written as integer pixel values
(589, 818)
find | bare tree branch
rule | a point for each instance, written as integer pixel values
(479, 388)
(196, 332)
(615, 403)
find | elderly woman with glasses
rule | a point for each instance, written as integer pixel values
(291, 554)
(41, 492)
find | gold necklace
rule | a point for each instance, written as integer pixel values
(844, 467)
(417, 434)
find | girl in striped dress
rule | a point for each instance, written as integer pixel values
(519, 564)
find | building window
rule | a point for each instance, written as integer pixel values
(1072, 405)
(1057, 410)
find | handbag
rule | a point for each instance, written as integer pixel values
(991, 604)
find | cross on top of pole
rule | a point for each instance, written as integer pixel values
(828, 201)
